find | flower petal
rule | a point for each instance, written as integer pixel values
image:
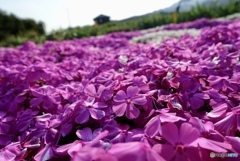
(83, 117)
(85, 134)
(188, 134)
(213, 145)
(153, 126)
(120, 96)
(119, 109)
(132, 112)
(165, 150)
(218, 111)
(196, 102)
(96, 114)
(99, 105)
(90, 90)
(139, 100)
(132, 91)
(170, 133)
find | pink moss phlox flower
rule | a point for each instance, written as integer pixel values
(216, 97)
(45, 153)
(154, 125)
(90, 154)
(117, 133)
(229, 124)
(169, 81)
(45, 97)
(86, 134)
(12, 152)
(90, 108)
(5, 122)
(206, 129)
(49, 126)
(25, 119)
(180, 144)
(235, 142)
(176, 103)
(37, 72)
(176, 63)
(219, 111)
(195, 98)
(141, 83)
(101, 94)
(222, 83)
(134, 151)
(125, 102)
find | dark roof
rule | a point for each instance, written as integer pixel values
(101, 16)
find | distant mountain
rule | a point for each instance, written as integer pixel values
(185, 5)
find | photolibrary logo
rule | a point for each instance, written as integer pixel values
(222, 155)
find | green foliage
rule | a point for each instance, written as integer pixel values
(14, 31)
(144, 22)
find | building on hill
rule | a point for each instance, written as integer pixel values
(101, 19)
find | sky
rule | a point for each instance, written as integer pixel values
(58, 14)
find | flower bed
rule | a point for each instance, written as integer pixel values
(107, 99)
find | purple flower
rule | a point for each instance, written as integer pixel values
(180, 142)
(90, 154)
(101, 94)
(125, 102)
(206, 128)
(12, 152)
(235, 142)
(45, 97)
(229, 124)
(86, 134)
(219, 111)
(223, 83)
(154, 127)
(196, 99)
(5, 122)
(46, 153)
(90, 108)
(116, 132)
(134, 151)
(49, 127)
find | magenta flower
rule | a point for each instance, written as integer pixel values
(45, 97)
(219, 111)
(90, 154)
(5, 122)
(86, 134)
(90, 108)
(196, 99)
(222, 83)
(141, 83)
(180, 144)
(206, 128)
(48, 126)
(102, 93)
(12, 152)
(116, 132)
(134, 151)
(154, 127)
(235, 142)
(126, 102)
(229, 124)
(46, 153)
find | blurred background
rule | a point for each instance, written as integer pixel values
(41, 20)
